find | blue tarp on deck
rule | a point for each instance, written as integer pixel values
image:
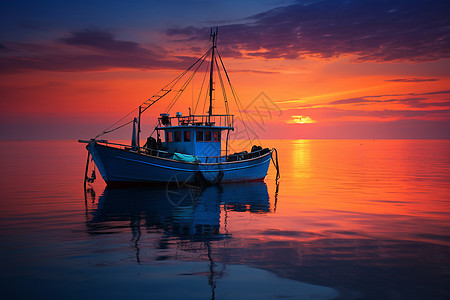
(184, 157)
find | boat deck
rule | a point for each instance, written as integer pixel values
(235, 157)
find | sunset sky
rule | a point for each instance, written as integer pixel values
(302, 69)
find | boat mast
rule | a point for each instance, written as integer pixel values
(139, 127)
(213, 37)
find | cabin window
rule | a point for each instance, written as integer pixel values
(187, 136)
(207, 136)
(216, 136)
(199, 136)
(170, 137)
(177, 136)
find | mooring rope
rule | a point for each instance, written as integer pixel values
(275, 163)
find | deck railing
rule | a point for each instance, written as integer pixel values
(202, 159)
(197, 120)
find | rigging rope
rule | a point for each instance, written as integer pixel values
(166, 90)
(170, 87)
(183, 87)
(223, 92)
(206, 98)
(201, 89)
(238, 102)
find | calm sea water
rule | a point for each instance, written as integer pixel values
(349, 219)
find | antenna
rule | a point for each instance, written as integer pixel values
(213, 35)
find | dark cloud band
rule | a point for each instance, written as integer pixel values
(381, 31)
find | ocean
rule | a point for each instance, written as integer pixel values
(348, 219)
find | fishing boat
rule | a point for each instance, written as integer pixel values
(182, 149)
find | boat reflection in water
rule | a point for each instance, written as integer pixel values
(186, 218)
(183, 211)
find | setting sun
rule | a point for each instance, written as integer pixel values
(300, 120)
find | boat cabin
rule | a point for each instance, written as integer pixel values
(198, 135)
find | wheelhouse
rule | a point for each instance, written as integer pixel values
(198, 135)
